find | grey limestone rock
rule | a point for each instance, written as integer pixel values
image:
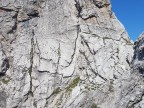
(3, 97)
(66, 54)
(138, 59)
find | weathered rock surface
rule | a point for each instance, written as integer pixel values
(138, 59)
(65, 54)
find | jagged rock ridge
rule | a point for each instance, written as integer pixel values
(65, 54)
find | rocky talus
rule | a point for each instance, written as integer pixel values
(67, 54)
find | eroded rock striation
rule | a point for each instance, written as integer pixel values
(65, 54)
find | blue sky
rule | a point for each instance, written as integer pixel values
(131, 14)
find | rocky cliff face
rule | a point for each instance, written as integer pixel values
(65, 54)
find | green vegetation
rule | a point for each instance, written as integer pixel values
(14, 88)
(94, 106)
(73, 84)
(5, 81)
(56, 91)
(90, 88)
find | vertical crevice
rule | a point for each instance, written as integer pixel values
(5, 62)
(31, 63)
(14, 27)
(59, 57)
(75, 45)
(78, 7)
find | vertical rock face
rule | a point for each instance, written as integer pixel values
(132, 94)
(139, 55)
(65, 54)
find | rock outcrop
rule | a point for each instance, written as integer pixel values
(138, 59)
(65, 54)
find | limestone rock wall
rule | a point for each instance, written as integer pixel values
(65, 54)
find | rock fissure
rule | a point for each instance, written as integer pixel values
(30, 92)
(5, 62)
(78, 7)
(75, 46)
(6, 9)
(89, 64)
(131, 104)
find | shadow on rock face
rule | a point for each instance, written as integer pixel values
(141, 54)
(4, 67)
(3, 97)
(138, 59)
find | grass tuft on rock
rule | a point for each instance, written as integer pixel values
(5, 81)
(57, 90)
(73, 84)
(94, 106)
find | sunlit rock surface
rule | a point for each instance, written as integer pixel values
(65, 54)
